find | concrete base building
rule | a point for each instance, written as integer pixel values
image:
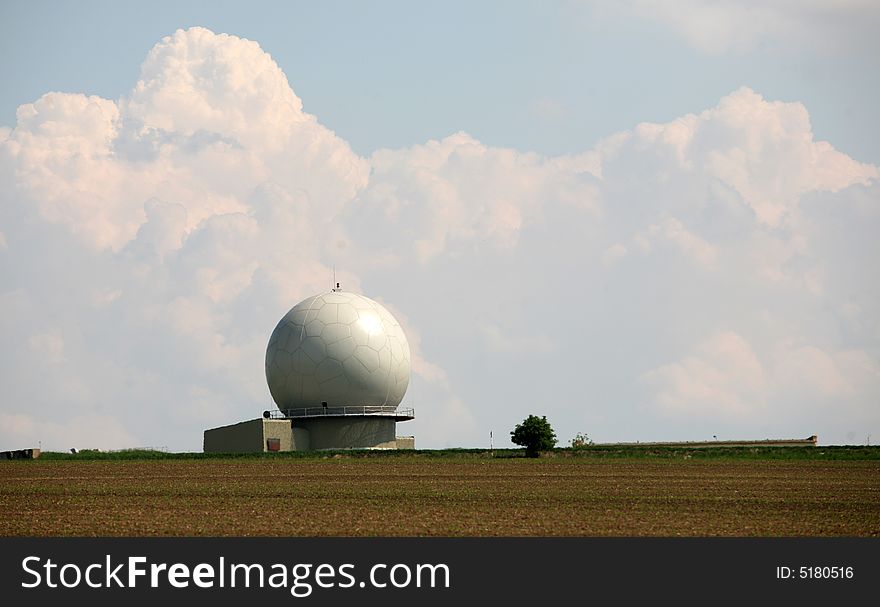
(312, 429)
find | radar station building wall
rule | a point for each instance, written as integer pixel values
(347, 433)
(261, 435)
(254, 436)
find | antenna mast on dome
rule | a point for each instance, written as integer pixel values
(337, 288)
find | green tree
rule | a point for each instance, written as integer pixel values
(535, 434)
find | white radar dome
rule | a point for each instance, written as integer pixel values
(340, 348)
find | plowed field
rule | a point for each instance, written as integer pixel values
(391, 497)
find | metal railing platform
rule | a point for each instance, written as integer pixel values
(344, 411)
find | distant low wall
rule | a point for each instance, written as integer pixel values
(20, 454)
(406, 442)
(769, 442)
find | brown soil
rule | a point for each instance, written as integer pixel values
(403, 497)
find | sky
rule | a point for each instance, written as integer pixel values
(646, 223)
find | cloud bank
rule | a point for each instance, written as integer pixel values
(711, 275)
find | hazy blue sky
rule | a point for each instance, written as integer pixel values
(550, 77)
(645, 220)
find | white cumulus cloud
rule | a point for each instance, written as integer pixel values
(665, 278)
